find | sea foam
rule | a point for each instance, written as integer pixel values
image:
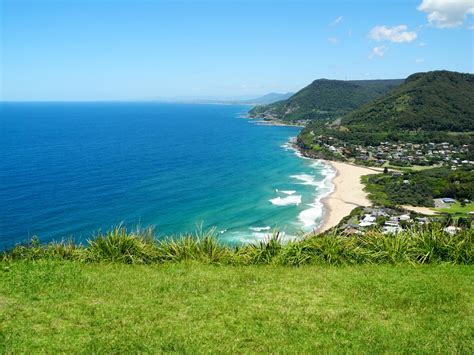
(325, 187)
(260, 229)
(240, 237)
(286, 201)
(306, 179)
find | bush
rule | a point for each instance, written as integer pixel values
(425, 244)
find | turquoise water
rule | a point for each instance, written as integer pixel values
(71, 169)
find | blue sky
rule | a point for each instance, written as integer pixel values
(137, 49)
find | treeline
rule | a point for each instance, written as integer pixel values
(355, 136)
(420, 188)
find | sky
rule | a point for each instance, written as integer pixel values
(70, 50)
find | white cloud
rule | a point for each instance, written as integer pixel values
(337, 21)
(333, 40)
(447, 13)
(378, 52)
(419, 60)
(471, 27)
(349, 33)
(396, 34)
(422, 44)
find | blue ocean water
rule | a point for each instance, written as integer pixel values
(72, 169)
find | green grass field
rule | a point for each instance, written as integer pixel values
(456, 208)
(69, 306)
(407, 168)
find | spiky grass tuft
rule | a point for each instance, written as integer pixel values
(419, 246)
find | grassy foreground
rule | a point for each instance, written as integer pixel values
(128, 292)
(69, 306)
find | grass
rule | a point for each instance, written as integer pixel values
(407, 168)
(127, 292)
(427, 244)
(67, 306)
(456, 208)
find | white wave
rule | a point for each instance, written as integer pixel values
(291, 146)
(257, 237)
(287, 192)
(324, 187)
(286, 201)
(309, 216)
(260, 229)
(306, 179)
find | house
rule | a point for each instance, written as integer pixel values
(369, 218)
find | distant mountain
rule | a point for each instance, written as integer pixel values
(432, 101)
(241, 100)
(324, 99)
(271, 98)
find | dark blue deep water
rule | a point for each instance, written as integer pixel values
(71, 169)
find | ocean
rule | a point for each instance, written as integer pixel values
(70, 170)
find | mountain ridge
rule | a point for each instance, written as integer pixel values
(432, 111)
(432, 101)
(325, 98)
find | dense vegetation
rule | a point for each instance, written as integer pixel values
(433, 101)
(50, 306)
(428, 244)
(427, 107)
(419, 188)
(324, 99)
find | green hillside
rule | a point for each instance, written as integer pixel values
(433, 111)
(325, 99)
(433, 101)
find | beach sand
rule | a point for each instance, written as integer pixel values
(348, 193)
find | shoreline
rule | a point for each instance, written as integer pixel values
(275, 123)
(348, 193)
(262, 122)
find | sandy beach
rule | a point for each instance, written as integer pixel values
(348, 193)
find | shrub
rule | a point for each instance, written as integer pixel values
(425, 244)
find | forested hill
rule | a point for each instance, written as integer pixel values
(324, 99)
(432, 101)
(428, 108)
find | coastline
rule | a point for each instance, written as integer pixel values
(262, 122)
(348, 193)
(274, 123)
